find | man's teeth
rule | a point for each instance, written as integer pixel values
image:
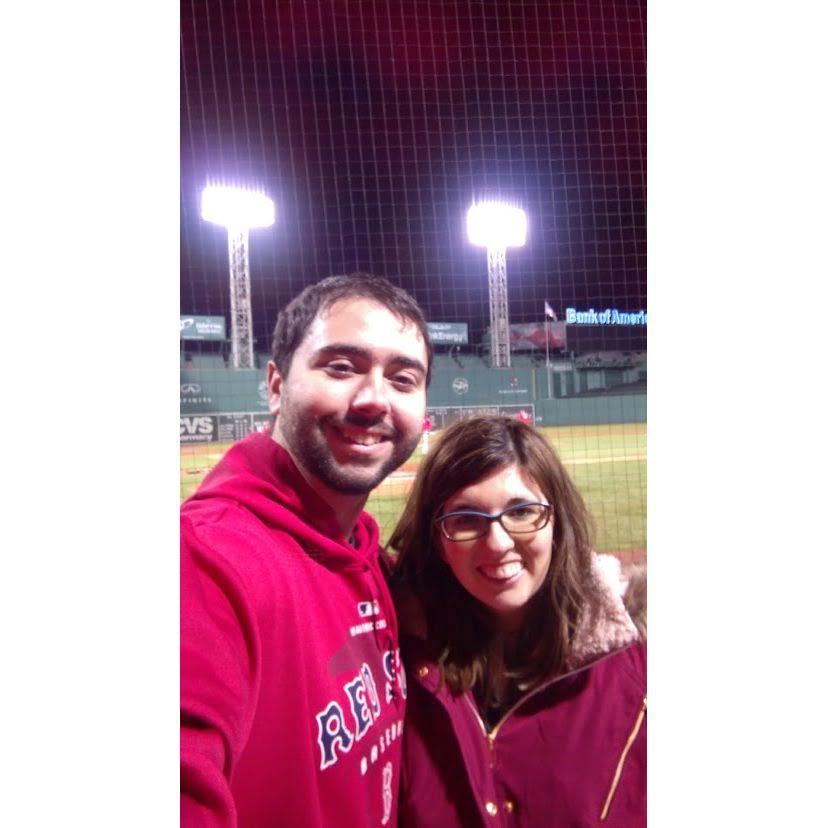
(503, 571)
(364, 439)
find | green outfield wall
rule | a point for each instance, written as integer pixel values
(236, 400)
(615, 408)
(211, 391)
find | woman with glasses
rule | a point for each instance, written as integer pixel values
(526, 676)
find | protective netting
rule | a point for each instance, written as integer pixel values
(374, 125)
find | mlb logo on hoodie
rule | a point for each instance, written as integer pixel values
(368, 608)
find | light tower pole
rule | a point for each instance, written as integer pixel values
(496, 226)
(238, 210)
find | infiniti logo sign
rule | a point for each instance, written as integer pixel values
(191, 394)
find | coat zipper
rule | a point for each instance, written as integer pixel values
(490, 737)
(620, 766)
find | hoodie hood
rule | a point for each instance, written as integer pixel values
(258, 475)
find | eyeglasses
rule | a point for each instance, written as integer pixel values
(516, 520)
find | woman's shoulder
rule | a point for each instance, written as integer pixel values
(629, 663)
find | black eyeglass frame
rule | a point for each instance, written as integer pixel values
(440, 521)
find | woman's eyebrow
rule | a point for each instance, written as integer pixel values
(462, 507)
(465, 506)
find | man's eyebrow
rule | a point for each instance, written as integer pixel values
(408, 362)
(346, 349)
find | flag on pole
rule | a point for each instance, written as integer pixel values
(549, 312)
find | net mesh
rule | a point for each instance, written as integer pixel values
(374, 125)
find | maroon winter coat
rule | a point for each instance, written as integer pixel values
(570, 753)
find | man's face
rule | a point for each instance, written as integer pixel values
(352, 406)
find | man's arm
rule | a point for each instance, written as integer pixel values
(218, 682)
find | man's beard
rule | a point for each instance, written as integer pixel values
(306, 441)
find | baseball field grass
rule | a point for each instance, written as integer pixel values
(607, 462)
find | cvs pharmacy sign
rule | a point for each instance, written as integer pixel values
(196, 429)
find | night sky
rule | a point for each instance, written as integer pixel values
(373, 124)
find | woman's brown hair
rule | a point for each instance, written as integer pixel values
(464, 640)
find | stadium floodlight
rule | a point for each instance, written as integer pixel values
(496, 226)
(236, 207)
(238, 210)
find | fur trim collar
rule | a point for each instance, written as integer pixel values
(610, 627)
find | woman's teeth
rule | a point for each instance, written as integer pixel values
(503, 571)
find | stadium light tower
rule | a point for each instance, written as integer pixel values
(496, 226)
(238, 210)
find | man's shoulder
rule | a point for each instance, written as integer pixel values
(204, 516)
(226, 531)
(228, 550)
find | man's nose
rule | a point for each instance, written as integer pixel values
(372, 394)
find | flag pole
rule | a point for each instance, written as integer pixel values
(548, 375)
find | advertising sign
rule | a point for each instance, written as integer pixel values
(454, 333)
(517, 384)
(443, 415)
(194, 397)
(532, 336)
(221, 428)
(608, 316)
(261, 422)
(199, 429)
(203, 327)
(220, 390)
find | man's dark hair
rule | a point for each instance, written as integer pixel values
(294, 320)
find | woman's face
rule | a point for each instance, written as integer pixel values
(501, 570)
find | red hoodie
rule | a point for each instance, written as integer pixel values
(292, 699)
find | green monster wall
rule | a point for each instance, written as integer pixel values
(217, 391)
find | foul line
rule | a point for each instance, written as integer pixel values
(575, 461)
(579, 461)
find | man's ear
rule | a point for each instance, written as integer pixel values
(274, 388)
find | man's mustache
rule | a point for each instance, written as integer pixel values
(377, 425)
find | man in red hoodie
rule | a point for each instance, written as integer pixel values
(292, 694)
